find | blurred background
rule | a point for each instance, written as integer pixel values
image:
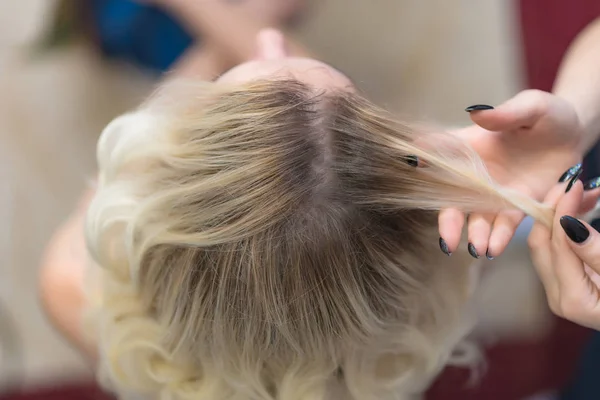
(425, 59)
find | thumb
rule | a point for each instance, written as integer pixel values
(583, 240)
(522, 111)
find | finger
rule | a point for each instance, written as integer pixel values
(551, 200)
(522, 111)
(541, 256)
(451, 222)
(479, 227)
(568, 267)
(583, 240)
(579, 236)
(590, 199)
(504, 227)
(539, 242)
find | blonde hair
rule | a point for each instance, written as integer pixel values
(271, 241)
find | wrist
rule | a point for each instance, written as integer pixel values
(587, 118)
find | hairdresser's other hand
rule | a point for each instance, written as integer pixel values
(527, 143)
(567, 259)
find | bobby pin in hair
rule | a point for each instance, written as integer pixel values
(413, 161)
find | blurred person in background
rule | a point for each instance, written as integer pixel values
(204, 38)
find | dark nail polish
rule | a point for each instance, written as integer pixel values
(479, 107)
(444, 247)
(592, 184)
(488, 255)
(574, 229)
(569, 173)
(473, 251)
(413, 161)
(573, 180)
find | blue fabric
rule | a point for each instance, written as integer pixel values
(142, 34)
(586, 385)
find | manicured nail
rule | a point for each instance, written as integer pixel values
(413, 161)
(592, 184)
(444, 247)
(569, 173)
(488, 255)
(573, 180)
(575, 230)
(479, 107)
(473, 251)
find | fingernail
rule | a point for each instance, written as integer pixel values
(592, 184)
(488, 255)
(575, 230)
(478, 107)
(473, 251)
(444, 247)
(413, 161)
(569, 173)
(573, 180)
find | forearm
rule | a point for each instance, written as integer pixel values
(578, 81)
(226, 26)
(63, 302)
(61, 283)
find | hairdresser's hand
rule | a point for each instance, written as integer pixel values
(527, 143)
(567, 259)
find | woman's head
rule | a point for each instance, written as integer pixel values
(272, 237)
